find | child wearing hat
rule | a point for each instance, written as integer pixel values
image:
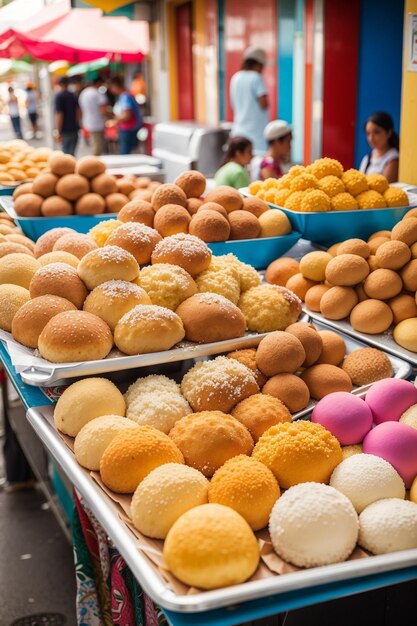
(278, 135)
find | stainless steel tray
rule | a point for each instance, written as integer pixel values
(154, 585)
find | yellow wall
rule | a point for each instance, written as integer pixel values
(408, 130)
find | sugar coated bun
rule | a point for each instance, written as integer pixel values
(75, 243)
(388, 399)
(280, 271)
(32, 317)
(137, 211)
(228, 197)
(59, 257)
(313, 265)
(168, 194)
(187, 251)
(107, 263)
(393, 255)
(297, 521)
(212, 206)
(103, 184)
(314, 295)
(248, 358)
(72, 186)
(95, 436)
(209, 225)
(207, 439)
(46, 242)
(12, 298)
(338, 302)
(62, 164)
(221, 278)
(310, 339)
(136, 238)
(193, 205)
(274, 224)
(16, 237)
(254, 205)
(388, 525)
(218, 385)
(259, 412)
(90, 166)
(354, 246)
(151, 384)
(45, 184)
(209, 317)
(371, 316)
(298, 452)
(409, 275)
(405, 334)
(269, 307)
(346, 416)
(299, 285)
(243, 225)
(367, 365)
(160, 408)
(9, 247)
(192, 183)
(90, 204)
(347, 270)
(111, 300)
(167, 285)
(290, 390)
(165, 494)
(383, 284)
(405, 231)
(18, 269)
(280, 352)
(148, 328)
(323, 379)
(396, 443)
(195, 542)
(58, 279)
(133, 454)
(85, 400)
(246, 486)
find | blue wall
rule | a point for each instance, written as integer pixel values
(380, 65)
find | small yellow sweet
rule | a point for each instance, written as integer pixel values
(280, 196)
(355, 182)
(293, 202)
(283, 182)
(394, 196)
(102, 231)
(326, 167)
(343, 202)
(303, 182)
(377, 182)
(370, 200)
(315, 201)
(331, 185)
(254, 187)
(270, 194)
(313, 265)
(296, 170)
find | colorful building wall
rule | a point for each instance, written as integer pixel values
(408, 130)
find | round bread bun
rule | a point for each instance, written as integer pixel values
(247, 357)
(75, 336)
(323, 379)
(280, 352)
(17, 237)
(210, 317)
(193, 204)
(314, 295)
(290, 390)
(405, 231)
(222, 279)
(187, 251)
(383, 284)
(28, 205)
(410, 213)
(72, 186)
(126, 185)
(59, 257)
(9, 247)
(103, 184)
(12, 298)
(107, 263)
(269, 307)
(313, 265)
(218, 385)
(333, 249)
(376, 242)
(409, 275)
(75, 243)
(367, 365)
(338, 302)
(90, 204)
(259, 412)
(347, 270)
(414, 250)
(141, 194)
(90, 166)
(168, 194)
(102, 231)
(171, 219)
(45, 184)
(46, 242)
(254, 205)
(299, 285)
(380, 233)
(402, 306)
(58, 279)
(207, 439)
(227, 197)
(85, 400)
(192, 183)
(55, 206)
(167, 285)
(111, 300)
(148, 328)
(213, 206)
(354, 246)
(280, 271)
(209, 225)
(22, 189)
(18, 269)
(393, 255)
(371, 316)
(62, 164)
(405, 334)
(334, 348)
(133, 454)
(373, 265)
(6, 229)
(115, 202)
(137, 211)
(32, 317)
(243, 225)
(274, 224)
(310, 339)
(136, 238)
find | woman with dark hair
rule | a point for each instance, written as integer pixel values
(233, 170)
(384, 141)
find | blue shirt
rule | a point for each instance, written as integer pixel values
(250, 120)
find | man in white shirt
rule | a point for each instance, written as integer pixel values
(93, 105)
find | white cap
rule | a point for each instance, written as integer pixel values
(255, 53)
(276, 129)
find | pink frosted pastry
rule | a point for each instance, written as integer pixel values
(389, 398)
(397, 444)
(347, 417)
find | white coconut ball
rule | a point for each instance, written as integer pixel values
(158, 409)
(149, 384)
(312, 525)
(388, 526)
(365, 478)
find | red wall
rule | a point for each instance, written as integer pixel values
(183, 31)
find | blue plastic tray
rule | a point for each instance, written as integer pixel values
(257, 252)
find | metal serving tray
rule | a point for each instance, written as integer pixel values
(150, 579)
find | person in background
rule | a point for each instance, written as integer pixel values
(249, 99)
(384, 141)
(233, 171)
(138, 88)
(278, 134)
(67, 117)
(127, 116)
(32, 107)
(93, 105)
(13, 109)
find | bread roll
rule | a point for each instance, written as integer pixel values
(187, 251)
(12, 298)
(32, 317)
(136, 238)
(46, 242)
(111, 300)
(59, 279)
(75, 243)
(209, 317)
(107, 263)
(18, 269)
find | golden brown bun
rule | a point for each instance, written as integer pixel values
(228, 197)
(269, 307)
(280, 352)
(248, 358)
(376, 242)
(213, 206)
(137, 211)
(367, 365)
(90, 167)
(254, 205)
(274, 224)
(22, 239)
(323, 379)
(59, 279)
(22, 189)
(126, 185)
(18, 269)
(299, 285)
(168, 194)
(380, 233)
(46, 241)
(347, 270)
(9, 247)
(59, 257)
(393, 255)
(45, 184)
(334, 348)
(310, 339)
(405, 334)
(136, 238)
(75, 243)
(409, 275)
(171, 219)
(314, 295)
(313, 265)
(12, 298)
(280, 271)
(115, 202)
(111, 300)
(243, 225)
(55, 206)
(209, 225)
(90, 204)
(405, 231)
(290, 389)
(383, 284)
(338, 302)
(141, 194)
(354, 246)
(372, 262)
(28, 205)
(209, 317)
(144, 182)
(32, 317)
(187, 251)
(75, 336)
(333, 249)
(371, 316)
(72, 186)
(107, 263)
(193, 204)
(259, 412)
(62, 164)
(192, 183)
(103, 184)
(402, 306)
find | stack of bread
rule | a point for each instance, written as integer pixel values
(324, 186)
(20, 162)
